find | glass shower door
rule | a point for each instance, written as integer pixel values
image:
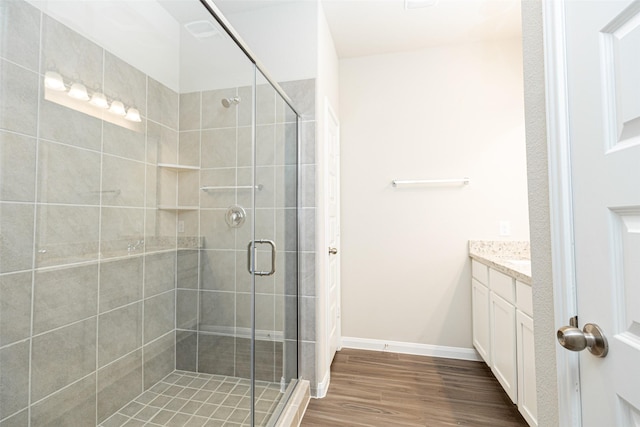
(213, 312)
(274, 263)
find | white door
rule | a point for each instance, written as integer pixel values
(332, 144)
(603, 77)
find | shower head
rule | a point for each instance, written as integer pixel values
(228, 102)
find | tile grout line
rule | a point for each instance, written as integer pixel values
(144, 235)
(176, 234)
(97, 345)
(96, 315)
(58, 391)
(199, 252)
(93, 150)
(35, 223)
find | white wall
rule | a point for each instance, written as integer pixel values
(328, 65)
(444, 112)
(283, 36)
(539, 208)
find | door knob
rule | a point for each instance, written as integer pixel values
(590, 337)
(333, 251)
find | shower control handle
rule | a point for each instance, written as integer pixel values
(251, 256)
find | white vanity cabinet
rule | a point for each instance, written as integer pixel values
(503, 344)
(480, 304)
(503, 334)
(527, 399)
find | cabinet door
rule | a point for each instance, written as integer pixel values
(527, 403)
(480, 272)
(503, 344)
(481, 331)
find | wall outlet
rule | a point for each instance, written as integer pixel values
(180, 226)
(505, 228)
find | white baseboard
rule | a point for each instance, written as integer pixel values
(323, 386)
(460, 353)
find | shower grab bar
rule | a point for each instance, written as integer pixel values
(250, 256)
(233, 187)
(464, 181)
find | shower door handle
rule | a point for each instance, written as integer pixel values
(251, 255)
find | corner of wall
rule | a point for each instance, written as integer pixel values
(321, 388)
(539, 212)
(328, 67)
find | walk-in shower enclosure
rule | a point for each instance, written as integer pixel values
(148, 219)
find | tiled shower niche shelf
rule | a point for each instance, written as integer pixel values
(178, 168)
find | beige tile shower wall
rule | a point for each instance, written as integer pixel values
(303, 96)
(87, 261)
(215, 339)
(445, 112)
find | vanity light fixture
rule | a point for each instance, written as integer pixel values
(79, 91)
(54, 81)
(117, 108)
(99, 100)
(133, 115)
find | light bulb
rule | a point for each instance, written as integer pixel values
(117, 108)
(133, 115)
(99, 100)
(54, 81)
(78, 91)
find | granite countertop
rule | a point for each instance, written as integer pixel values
(512, 258)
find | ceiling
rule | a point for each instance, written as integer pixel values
(370, 27)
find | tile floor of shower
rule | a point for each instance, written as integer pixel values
(194, 399)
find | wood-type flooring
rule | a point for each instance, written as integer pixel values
(371, 388)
